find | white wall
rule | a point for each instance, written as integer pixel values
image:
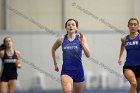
(1, 15)
(36, 49)
(46, 12)
(49, 13)
(114, 12)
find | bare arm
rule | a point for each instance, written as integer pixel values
(121, 49)
(18, 62)
(84, 44)
(54, 48)
(1, 53)
(0, 48)
(18, 55)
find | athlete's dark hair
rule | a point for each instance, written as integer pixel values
(71, 19)
(2, 47)
(138, 30)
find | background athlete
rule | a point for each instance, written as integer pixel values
(131, 43)
(10, 63)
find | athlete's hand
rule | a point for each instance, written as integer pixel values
(120, 61)
(56, 67)
(18, 64)
(81, 37)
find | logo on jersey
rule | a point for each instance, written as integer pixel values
(70, 47)
(131, 43)
(9, 60)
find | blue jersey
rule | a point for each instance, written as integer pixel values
(133, 51)
(72, 53)
(8, 63)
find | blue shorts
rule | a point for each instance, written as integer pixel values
(76, 75)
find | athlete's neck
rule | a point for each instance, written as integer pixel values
(71, 36)
(10, 49)
(133, 35)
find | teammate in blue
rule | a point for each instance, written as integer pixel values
(131, 43)
(10, 63)
(72, 73)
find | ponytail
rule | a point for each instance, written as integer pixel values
(138, 31)
(2, 47)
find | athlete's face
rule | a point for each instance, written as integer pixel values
(71, 26)
(133, 26)
(8, 42)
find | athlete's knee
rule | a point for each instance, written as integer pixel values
(134, 84)
(138, 88)
(3, 91)
(67, 92)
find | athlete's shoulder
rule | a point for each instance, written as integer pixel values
(123, 38)
(1, 53)
(18, 53)
(60, 39)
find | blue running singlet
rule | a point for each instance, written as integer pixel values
(133, 51)
(72, 62)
